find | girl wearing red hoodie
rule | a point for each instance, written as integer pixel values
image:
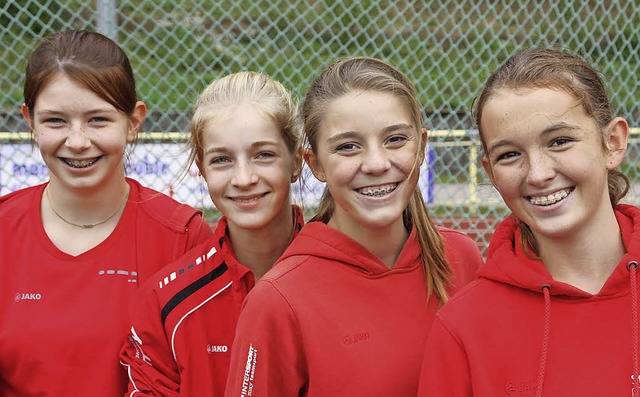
(245, 140)
(346, 310)
(555, 310)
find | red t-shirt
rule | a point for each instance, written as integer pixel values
(63, 318)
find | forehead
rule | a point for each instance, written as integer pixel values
(510, 109)
(240, 125)
(363, 110)
(61, 91)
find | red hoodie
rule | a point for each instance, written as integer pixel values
(331, 319)
(518, 332)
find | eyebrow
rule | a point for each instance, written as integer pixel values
(351, 134)
(548, 130)
(90, 112)
(254, 145)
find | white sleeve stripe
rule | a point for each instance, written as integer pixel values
(175, 329)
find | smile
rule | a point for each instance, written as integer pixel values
(377, 191)
(80, 163)
(245, 200)
(550, 199)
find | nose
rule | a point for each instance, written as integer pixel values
(541, 169)
(244, 175)
(376, 161)
(77, 138)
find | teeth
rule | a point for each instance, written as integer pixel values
(80, 163)
(247, 200)
(378, 191)
(550, 199)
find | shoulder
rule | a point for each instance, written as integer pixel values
(19, 198)
(470, 301)
(196, 262)
(164, 209)
(462, 253)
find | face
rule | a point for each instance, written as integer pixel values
(82, 138)
(248, 168)
(547, 158)
(368, 151)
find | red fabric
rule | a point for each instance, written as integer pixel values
(487, 340)
(184, 324)
(63, 318)
(331, 319)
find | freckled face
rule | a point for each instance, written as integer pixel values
(248, 168)
(367, 150)
(82, 138)
(545, 156)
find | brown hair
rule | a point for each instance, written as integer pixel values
(88, 58)
(362, 73)
(267, 94)
(549, 68)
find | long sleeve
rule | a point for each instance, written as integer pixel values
(268, 357)
(147, 355)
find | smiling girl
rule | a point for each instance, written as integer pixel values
(346, 309)
(245, 135)
(555, 310)
(74, 250)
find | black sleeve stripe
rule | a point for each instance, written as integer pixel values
(191, 289)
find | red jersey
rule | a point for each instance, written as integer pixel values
(518, 332)
(331, 319)
(183, 327)
(63, 318)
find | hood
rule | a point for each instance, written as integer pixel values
(319, 240)
(507, 263)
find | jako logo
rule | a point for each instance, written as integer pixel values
(217, 349)
(520, 388)
(27, 297)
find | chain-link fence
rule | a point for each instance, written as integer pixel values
(447, 48)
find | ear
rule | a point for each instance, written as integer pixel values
(487, 168)
(312, 161)
(297, 165)
(135, 120)
(616, 142)
(27, 117)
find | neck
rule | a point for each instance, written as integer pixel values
(85, 209)
(386, 243)
(258, 249)
(585, 259)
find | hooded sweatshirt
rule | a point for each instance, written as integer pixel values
(331, 319)
(517, 332)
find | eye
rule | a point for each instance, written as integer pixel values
(53, 121)
(98, 120)
(561, 141)
(346, 147)
(397, 140)
(265, 155)
(219, 160)
(506, 156)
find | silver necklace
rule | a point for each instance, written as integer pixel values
(89, 225)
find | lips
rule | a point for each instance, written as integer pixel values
(248, 199)
(80, 163)
(377, 191)
(551, 198)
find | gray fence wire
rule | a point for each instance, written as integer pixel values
(447, 48)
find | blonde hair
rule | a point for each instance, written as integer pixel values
(369, 74)
(269, 95)
(549, 68)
